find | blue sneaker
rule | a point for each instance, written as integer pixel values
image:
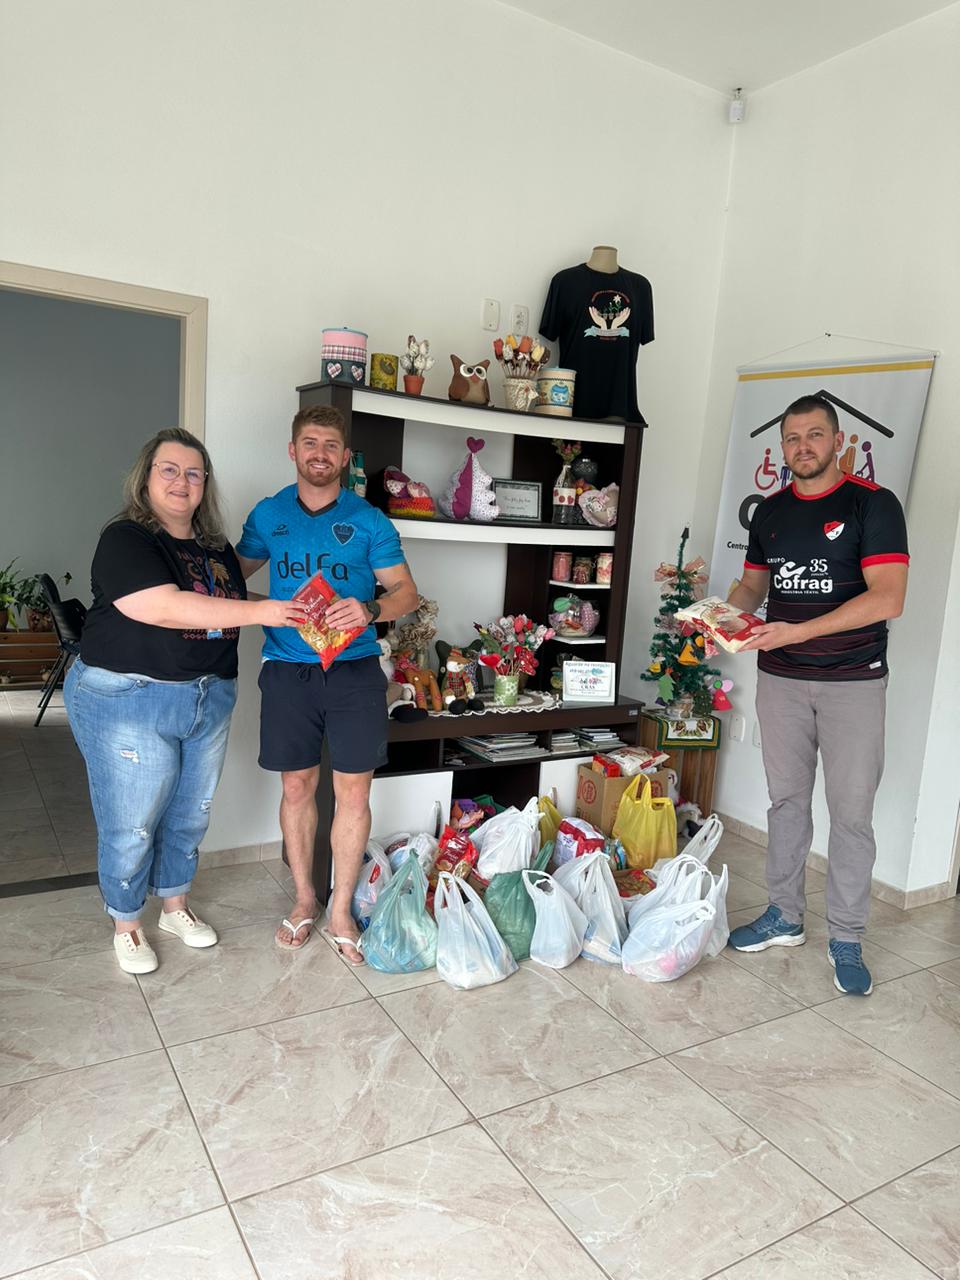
(851, 975)
(769, 930)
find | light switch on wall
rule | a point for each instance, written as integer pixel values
(738, 727)
(490, 314)
(519, 320)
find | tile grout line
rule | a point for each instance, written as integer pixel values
(780, 1240)
(206, 1150)
(955, 1097)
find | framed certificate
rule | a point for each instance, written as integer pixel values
(518, 499)
(589, 681)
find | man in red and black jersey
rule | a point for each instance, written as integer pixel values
(829, 553)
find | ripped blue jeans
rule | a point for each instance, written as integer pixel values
(154, 751)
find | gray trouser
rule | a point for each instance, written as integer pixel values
(844, 719)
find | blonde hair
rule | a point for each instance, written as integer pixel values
(207, 520)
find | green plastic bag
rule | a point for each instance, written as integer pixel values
(511, 908)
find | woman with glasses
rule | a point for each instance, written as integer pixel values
(151, 694)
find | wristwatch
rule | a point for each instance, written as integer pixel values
(373, 609)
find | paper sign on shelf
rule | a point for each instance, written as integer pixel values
(591, 682)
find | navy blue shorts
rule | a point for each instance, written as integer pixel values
(301, 704)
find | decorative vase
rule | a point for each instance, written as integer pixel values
(520, 393)
(413, 383)
(505, 690)
(343, 357)
(586, 469)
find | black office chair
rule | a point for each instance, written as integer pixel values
(68, 619)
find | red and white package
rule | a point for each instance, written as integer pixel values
(633, 760)
(315, 597)
(725, 625)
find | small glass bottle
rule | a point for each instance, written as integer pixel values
(562, 565)
(565, 497)
(357, 479)
(582, 570)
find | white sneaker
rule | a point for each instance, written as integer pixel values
(188, 928)
(134, 953)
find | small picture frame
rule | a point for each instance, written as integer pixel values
(592, 682)
(518, 499)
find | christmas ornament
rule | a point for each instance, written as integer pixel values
(688, 656)
(665, 688)
(655, 667)
(720, 700)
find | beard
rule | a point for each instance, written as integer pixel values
(811, 468)
(319, 479)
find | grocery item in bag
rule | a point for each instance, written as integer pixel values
(646, 827)
(314, 598)
(375, 875)
(402, 935)
(560, 926)
(590, 883)
(721, 622)
(457, 854)
(470, 951)
(510, 907)
(576, 837)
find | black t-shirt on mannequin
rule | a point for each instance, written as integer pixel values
(601, 319)
(131, 558)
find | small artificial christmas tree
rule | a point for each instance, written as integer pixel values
(678, 661)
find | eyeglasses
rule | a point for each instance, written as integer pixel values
(170, 471)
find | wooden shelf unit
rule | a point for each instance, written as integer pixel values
(376, 421)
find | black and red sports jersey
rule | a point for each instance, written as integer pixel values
(816, 549)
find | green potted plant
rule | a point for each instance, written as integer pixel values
(10, 584)
(32, 599)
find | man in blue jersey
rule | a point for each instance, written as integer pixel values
(829, 552)
(317, 526)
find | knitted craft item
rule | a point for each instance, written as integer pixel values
(469, 495)
(406, 497)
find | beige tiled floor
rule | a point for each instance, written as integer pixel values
(245, 1112)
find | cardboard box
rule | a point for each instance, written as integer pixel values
(598, 798)
(659, 783)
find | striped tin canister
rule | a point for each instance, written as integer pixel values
(343, 357)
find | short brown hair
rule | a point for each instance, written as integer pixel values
(320, 415)
(810, 404)
(207, 520)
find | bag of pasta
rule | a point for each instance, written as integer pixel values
(314, 598)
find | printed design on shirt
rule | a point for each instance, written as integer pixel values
(790, 578)
(195, 568)
(301, 570)
(280, 531)
(343, 533)
(833, 529)
(609, 310)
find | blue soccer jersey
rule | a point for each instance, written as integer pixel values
(345, 542)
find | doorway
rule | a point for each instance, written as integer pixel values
(89, 369)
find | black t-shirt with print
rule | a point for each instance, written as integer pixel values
(130, 558)
(601, 319)
(816, 549)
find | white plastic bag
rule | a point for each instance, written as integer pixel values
(702, 846)
(575, 839)
(470, 951)
(669, 941)
(508, 841)
(681, 879)
(404, 844)
(717, 897)
(375, 875)
(560, 928)
(590, 883)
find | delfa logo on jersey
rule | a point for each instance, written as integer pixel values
(791, 577)
(833, 529)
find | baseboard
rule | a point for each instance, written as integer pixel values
(210, 858)
(905, 899)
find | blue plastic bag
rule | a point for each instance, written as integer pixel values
(402, 935)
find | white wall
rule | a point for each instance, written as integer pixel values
(377, 164)
(843, 219)
(81, 388)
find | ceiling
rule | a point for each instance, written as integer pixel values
(729, 43)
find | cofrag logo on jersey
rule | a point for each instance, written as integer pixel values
(789, 577)
(833, 529)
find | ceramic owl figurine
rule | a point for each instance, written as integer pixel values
(469, 382)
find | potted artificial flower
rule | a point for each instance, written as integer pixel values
(10, 586)
(508, 648)
(415, 362)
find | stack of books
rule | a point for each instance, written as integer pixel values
(565, 740)
(500, 748)
(600, 739)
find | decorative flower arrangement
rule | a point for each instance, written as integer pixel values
(510, 643)
(520, 357)
(417, 359)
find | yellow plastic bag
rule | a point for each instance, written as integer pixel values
(646, 828)
(550, 819)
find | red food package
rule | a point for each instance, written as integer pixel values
(631, 880)
(314, 598)
(457, 854)
(603, 764)
(721, 622)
